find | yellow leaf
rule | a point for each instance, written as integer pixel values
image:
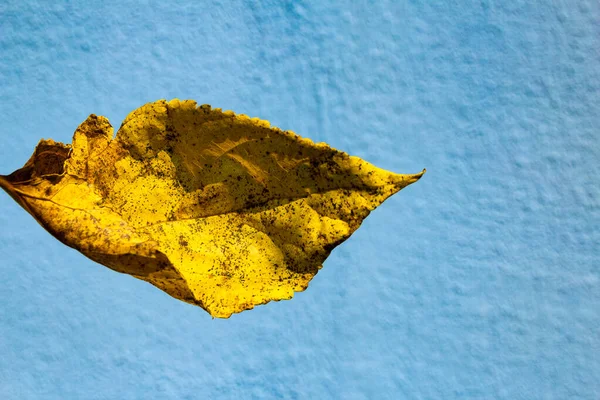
(216, 209)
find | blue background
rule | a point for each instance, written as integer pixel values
(481, 281)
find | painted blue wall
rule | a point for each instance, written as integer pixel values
(480, 281)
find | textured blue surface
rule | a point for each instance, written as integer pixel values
(480, 281)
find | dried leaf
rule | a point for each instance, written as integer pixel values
(216, 209)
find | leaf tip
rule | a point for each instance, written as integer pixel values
(418, 176)
(3, 181)
(400, 181)
(412, 178)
